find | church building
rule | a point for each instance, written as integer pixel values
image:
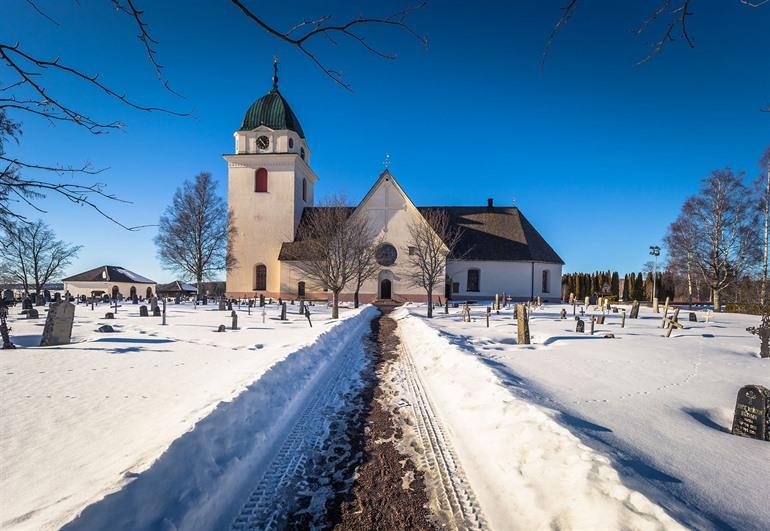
(271, 188)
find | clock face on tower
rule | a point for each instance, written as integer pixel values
(263, 142)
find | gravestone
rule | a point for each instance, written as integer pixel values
(593, 320)
(26, 304)
(752, 417)
(600, 319)
(634, 310)
(39, 300)
(672, 322)
(8, 295)
(580, 327)
(229, 306)
(156, 311)
(234, 315)
(177, 299)
(83, 299)
(33, 314)
(614, 309)
(4, 330)
(623, 319)
(222, 305)
(221, 328)
(143, 311)
(563, 314)
(134, 299)
(261, 300)
(693, 317)
(609, 336)
(109, 315)
(153, 304)
(163, 322)
(105, 329)
(283, 311)
(522, 321)
(58, 325)
(106, 298)
(57, 297)
(205, 301)
(763, 332)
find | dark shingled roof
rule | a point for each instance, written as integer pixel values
(273, 111)
(176, 286)
(113, 274)
(488, 233)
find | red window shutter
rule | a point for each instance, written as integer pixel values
(260, 180)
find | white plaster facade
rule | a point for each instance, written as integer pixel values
(77, 288)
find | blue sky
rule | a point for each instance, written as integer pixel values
(597, 153)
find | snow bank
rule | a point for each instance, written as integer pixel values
(659, 408)
(81, 421)
(527, 471)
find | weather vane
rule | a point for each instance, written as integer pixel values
(386, 162)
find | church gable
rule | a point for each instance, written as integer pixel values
(388, 210)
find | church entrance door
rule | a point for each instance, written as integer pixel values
(385, 289)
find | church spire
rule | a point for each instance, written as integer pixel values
(275, 73)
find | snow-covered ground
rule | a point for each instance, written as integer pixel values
(80, 421)
(582, 432)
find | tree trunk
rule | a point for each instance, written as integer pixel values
(717, 304)
(335, 304)
(430, 303)
(763, 288)
(355, 299)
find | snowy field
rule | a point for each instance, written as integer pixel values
(84, 420)
(581, 432)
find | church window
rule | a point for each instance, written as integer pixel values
(546, 287)
(260, 278)
(291, 143)
(473, 280)
(455, 287)
(260, 180)
(302, 153)
(304, 189)
(412, 251)
(300, 289)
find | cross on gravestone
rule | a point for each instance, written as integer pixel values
(58, 325)
(634, 314)
(763, 332)
(665, 314)
(234, 315)
(752, 413)
(307, 314)
(672, 322)
(580, 327)
(4, 331)
(143, 311)
(522, 321)
(115, 305)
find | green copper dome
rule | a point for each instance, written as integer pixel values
(273, 111)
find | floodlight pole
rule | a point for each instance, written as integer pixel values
(655, 252)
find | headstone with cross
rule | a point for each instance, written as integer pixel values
(752, 413)
(665, 314)
(763, 332)
(672, 322)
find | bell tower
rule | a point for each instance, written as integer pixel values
(269, 184)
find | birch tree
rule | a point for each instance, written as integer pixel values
(763, 189)
(32, 256)
(432, 238)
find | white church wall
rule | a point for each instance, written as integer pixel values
(512, 278)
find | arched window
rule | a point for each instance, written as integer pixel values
(260, 180)
(260, 278)
(473, 280)
(302, 153)
(149, 293)
(304, 189)
(546, 287)
(291, 143)
(115, 292)
(300, 289)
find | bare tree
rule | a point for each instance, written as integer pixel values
(196, 230)
(680, 242)
(763, 190)
(31, 82)
(433, 239)
(32, 256)
(722, 222)
(365, 262)
(329, 252)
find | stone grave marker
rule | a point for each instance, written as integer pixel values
(58, 325)
(222, 305)
(634, 310)
(8, 295)
(693, 317)
(600, 319)
(33, 314)
(39, 300)
(580, 327)
(153, 303)
(283, 311)
(26, 304)
(221, 328)
(156, 311)
(234, 315)
(143, 311)
(109, 315)
(522, 321)
(623, 319)
(489, 311)
(763, 332)
(665, 314)
(261, 300)
(752, 417)
(563, 314)
(614, 309)
(106, 298)
(134, 299)
(672, 322)
(105, 329)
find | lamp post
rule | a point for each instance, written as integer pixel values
(655, 252)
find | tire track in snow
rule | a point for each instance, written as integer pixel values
(456, 498)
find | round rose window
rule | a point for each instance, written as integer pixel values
(386, 254)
